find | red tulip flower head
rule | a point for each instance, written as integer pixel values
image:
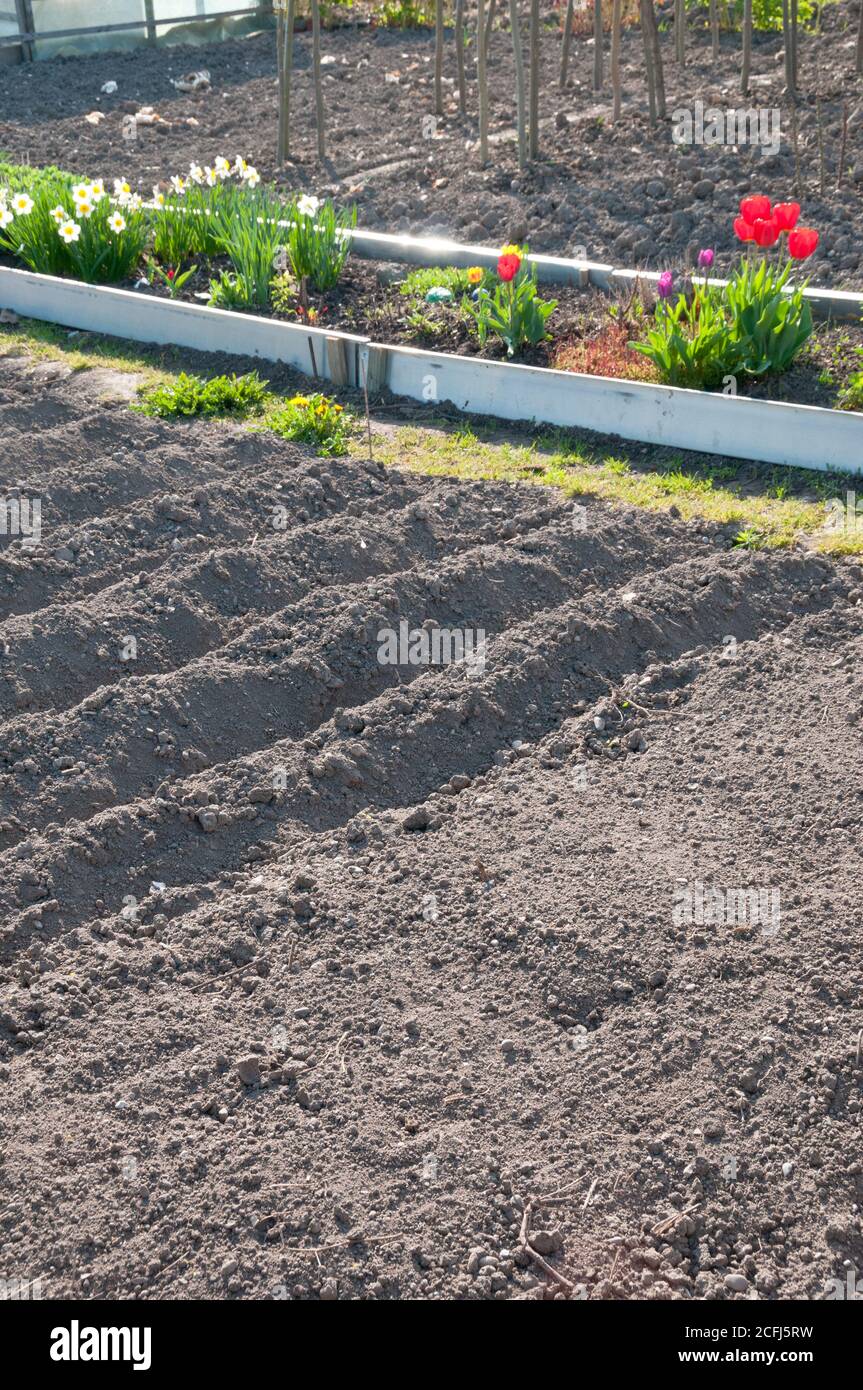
(508, 266)
(751, 209)
(786, 214)
(765, 230)
(802, 242)
(744, 229)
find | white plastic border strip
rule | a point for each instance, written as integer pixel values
(147, 319)
(769, 431)
(801, 436)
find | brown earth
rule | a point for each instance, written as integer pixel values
(303, 953)
(623, 193)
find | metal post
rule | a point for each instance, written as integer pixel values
(24, 11)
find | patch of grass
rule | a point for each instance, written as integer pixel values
(30, 176)
(763, 521)
(314, 419)
(192, 395)
(81, 351)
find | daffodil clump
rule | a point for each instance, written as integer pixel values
(58, 226)
(76, 229)
(190, 203)
(318, 240)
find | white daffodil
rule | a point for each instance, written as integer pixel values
(252, 177)
(196, 173)
(69, 231)
(84, 208)
(240, 166)
(59, 214)
(97, 191)
(307, 205)
(222, 167)
(22, 204)
(5, 218)
(121, 189)
(158, 198)
(81, 191)
(178, 184)
(117, 222)
(211, 178)
(134, 202)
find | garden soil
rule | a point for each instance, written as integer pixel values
(622, 193)
(322, 977)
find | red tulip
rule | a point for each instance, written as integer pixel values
(751, 209)
(802, 242)
(766, 230)
(786, 214)
(508, 266)
(744, 229)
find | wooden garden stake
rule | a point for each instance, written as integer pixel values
(798, 184)
(285, 39)
(820, 126)
(788, 40)
(459, 56)
(843, 144)
(615, 60)
(648, 21)
(489, 24)
(714, 28)
(319, 90)
(747, 47)
(438, 57)
(648, 61)
(519, 82)
(858, 66)
(567, 39)
(658, 69)
(482, 82)
(597, 45)
(534, 79)
(680, 31)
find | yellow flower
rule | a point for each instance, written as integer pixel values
(511, 250)
(474, 275)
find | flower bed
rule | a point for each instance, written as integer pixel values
(215, 236)
(218, 239)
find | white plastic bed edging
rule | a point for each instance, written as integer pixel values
(801, 436)
(770, 431)
(147, 319)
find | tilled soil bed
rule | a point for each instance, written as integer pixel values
(302, 952)
(623, 193)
